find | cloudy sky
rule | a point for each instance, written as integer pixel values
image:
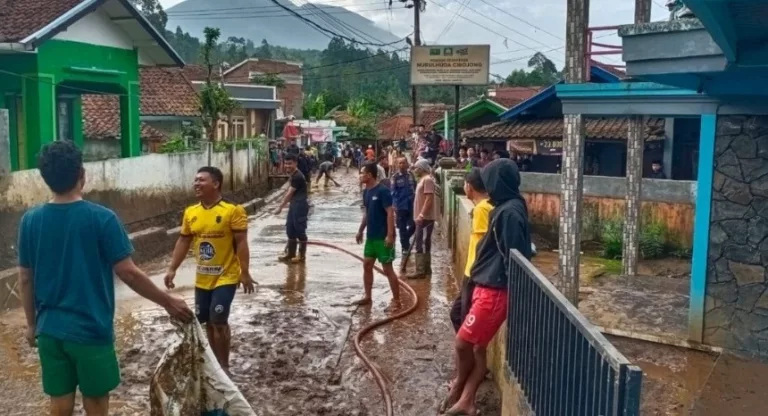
(515, 29)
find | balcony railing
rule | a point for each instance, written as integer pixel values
(595, 49)
(563, 364)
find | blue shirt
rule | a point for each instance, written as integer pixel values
(71, 249)
(403, 189)
(376, 201)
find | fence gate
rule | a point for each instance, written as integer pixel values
(563, 364)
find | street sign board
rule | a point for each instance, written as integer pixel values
(450, 65)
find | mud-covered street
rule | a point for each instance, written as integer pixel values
(291, 347)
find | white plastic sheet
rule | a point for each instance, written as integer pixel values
(189, 380)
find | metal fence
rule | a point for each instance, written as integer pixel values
(563, 364)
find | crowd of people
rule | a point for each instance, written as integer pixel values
(69, 249)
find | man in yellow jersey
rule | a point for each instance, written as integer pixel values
(218, 230)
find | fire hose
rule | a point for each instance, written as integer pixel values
(380, 380)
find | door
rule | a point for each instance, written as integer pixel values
(64, 118)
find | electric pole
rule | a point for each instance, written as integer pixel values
(416, 42)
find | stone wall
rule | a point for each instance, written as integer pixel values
(736, 312)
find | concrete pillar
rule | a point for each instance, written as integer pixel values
(130, 128)
(669, 146)
(635, 149)
(5, 143)
(572, 177)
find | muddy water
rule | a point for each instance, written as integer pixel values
(291, 353)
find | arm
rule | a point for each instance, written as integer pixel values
(238, 224)
(27, 290)
(139, 282)
(286, 199)
(390, 224)
(428, 199)
(180, 251)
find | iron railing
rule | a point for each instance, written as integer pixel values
(562, 363)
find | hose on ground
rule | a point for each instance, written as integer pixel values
(380, 380)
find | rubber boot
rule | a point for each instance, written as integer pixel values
(290, 253)
(428, 263)
(420, 271)
(302, 253)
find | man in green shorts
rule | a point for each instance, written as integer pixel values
(379, 219)
(68, 250)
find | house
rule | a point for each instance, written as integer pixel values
(54, 51)
(478, 113)
(167, 102)
(535, 127)
(397, 127)
(255, 114)
(291, 96)
(710, 70)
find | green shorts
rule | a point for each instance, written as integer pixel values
(67, 365)
(377, 249)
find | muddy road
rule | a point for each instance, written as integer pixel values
(291, 339)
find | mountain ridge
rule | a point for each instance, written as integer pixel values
(262, 19)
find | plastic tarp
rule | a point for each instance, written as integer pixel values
(189, 380)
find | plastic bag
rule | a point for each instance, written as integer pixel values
(189, 380)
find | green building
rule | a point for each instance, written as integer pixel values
(54, 51)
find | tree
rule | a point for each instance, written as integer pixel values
(264, 51)
(214, 99)
(543, 73)
(153, 11)
(235, 50)
(315, 106)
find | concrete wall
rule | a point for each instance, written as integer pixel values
(736, 311)
(665, 201)
(145, 191)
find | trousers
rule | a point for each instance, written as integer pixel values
(423, 238)
(405, 227)
(296, 221)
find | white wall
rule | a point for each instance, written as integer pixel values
(97, 29)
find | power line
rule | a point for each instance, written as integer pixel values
(275, 13)
(217, 10)
(462, 6)
(522, 20)
(320, 28)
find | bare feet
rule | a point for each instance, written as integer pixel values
(394, 306)
(462, 410)
(362, 302)
(453, 396)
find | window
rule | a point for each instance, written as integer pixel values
(64, 118)
(238, 124)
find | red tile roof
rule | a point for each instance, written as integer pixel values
(395, 128)
(506, 102)
(165, 92)
(198, 72)
(513, 93)
(101, 119)
(612, 128)
(431, 113)
(21, 18)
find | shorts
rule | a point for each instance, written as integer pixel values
(214, 305)
(486, 315)
(377, 249)
(346, 161)
(67, 365)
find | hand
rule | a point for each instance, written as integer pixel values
(177, 308)
(169, 276)
(30, 336)
(420, 220)
(359, 237)
(247, 282)
(277, 211)
(389, 241)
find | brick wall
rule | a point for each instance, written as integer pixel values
(291, 97)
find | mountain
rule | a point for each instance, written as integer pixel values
(262, 19)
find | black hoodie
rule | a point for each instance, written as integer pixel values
(508, 227)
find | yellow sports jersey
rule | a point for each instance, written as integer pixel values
(214, 242)
(480, 217)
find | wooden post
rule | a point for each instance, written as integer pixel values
(635, 150)
(572, 177)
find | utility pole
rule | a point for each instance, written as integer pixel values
(635, 148)
(572, 178)
(416, 42)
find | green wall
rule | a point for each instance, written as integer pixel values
(65, 67)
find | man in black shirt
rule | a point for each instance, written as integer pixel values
(304, 165)
(298, 211)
